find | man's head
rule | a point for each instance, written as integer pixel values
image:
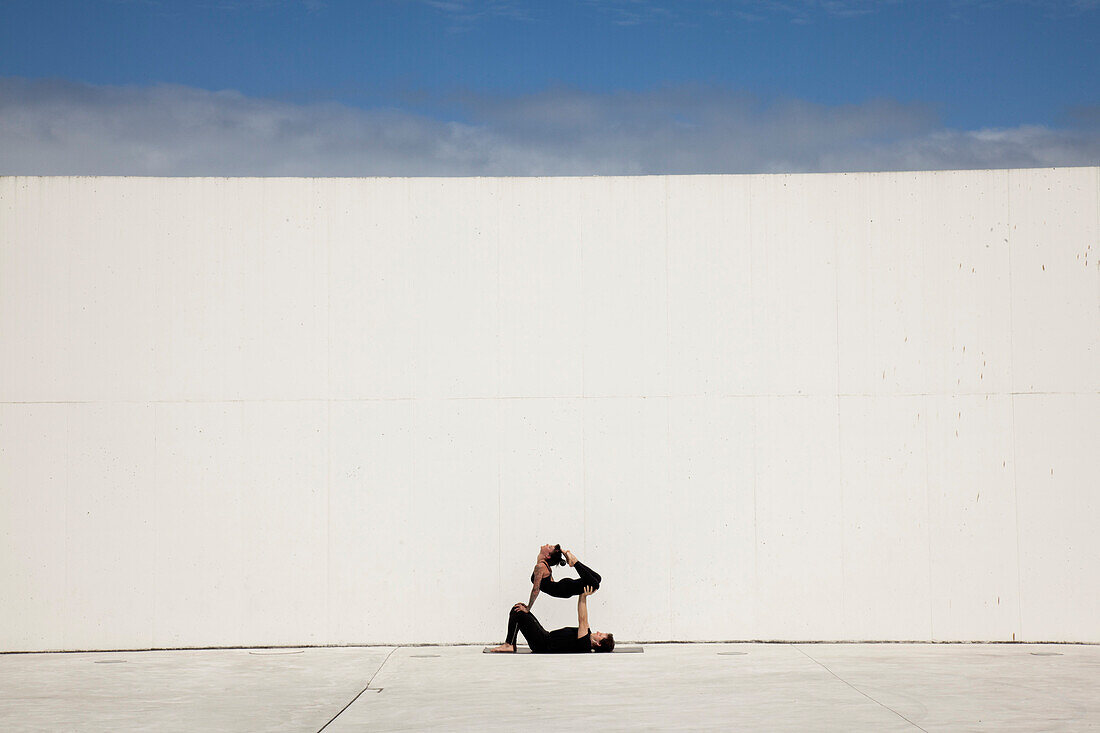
(602, 642)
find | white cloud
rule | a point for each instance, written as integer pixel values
(65, 128)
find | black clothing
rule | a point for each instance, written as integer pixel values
(541, 641)
(542, 562)
(566, 641)
(568, 587)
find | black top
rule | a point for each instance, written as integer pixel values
(565, 641)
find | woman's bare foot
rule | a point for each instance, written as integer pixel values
(570, 557)
(503, 648)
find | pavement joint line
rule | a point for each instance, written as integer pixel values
(834, 674)
(654, 642)
(352, 701)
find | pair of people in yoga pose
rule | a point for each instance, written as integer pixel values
(570, 639)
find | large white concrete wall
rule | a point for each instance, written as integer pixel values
(292, 411)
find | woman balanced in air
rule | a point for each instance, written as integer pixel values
(542, 578)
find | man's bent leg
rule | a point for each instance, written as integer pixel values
(537, 637)
(513, 626)
(509, 644)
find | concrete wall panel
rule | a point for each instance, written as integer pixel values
(710, 296)
(291, 411)
(1057, 438)
(109, 568)
(972, 510)
(284, 527)
(799, 520)
(794, 286)
(879, 288)
(540, 278)
(713, 517)
(198, 588)
(372, 523)
(34, 501)
(373, 292)
(80, 319)
(625, 284)
(1055, 233)
(964, 241)
(453, 261)
(885, 547)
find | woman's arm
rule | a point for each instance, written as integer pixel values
(540, 573)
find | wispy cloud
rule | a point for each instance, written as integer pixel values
(232, 5)
(638, 12)
(465, 14)
(67, 128)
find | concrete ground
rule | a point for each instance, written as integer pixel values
(767, 687)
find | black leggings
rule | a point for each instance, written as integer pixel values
(537, 637)
(571, 586)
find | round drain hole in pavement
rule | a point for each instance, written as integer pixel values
(732, 654)
(110, 661)
(424, 656)
(1046, 654)
(277, 653)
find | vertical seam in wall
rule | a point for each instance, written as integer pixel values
(581, 402)
(927, 486)
(1012, 403)
(239, 537)
(500, 390)
(66, 480)
(156, 535)
(668, 508)
(755, 532)
(754, 396)
(928, 514)
(584, 483)
(668, 412)
(328, 432)
(65, 521)
(839, 445)
(500, 560)
(158, 257)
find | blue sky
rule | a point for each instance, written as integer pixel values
(536, 87)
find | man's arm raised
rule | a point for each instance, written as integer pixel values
(582, 611)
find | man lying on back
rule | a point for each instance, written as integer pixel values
(568, 640)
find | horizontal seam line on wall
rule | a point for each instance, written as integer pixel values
(554, 397)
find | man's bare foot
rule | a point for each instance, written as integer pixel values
(503, 648)
(571, 558)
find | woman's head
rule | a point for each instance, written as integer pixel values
(552, 554)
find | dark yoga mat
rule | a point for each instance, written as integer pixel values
(619, 649)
